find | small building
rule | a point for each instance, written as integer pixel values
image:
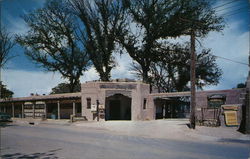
(56, 106)
(122, 100)
(119, 100)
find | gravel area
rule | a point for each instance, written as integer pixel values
(169, 129)
(175, 129)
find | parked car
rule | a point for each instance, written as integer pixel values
(5, 117)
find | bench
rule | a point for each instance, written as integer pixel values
(74, 118)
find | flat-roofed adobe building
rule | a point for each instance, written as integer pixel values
(57, 106)
(122, 100)
(116, 100)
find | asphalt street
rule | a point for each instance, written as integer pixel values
(64, 141)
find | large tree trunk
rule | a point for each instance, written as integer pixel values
(71, 87)
(104, 76)
(145, 74)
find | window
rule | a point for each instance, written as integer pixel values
(144, 103)
(88, 103)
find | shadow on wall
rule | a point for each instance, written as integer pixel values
(46, 155)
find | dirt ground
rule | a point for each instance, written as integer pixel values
(175, 129)
(169, 129)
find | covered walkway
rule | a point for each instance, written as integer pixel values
(58, 106)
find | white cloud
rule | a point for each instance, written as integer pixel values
(232, 45)
(22, 83)
(123, 65)
(120, 71)
(89, 75)
(16, 24)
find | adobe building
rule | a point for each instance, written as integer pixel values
(116, 100)
(56, 106)
(123, 100)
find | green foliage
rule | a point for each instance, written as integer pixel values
(157, 20)
(172, 71)
(52, 41)
(102, 20)
(6, 45)
(65, 88)
(241, 85)
(5, 93)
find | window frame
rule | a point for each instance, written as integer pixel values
(144, 104)
(88, 100)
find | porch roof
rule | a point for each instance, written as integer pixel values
(43, 97)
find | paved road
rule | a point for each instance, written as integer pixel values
(62, 141)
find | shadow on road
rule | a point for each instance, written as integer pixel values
(235, 141)
(45, 155)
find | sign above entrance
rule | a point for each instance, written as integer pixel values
(118, 86)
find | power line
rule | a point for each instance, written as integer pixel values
(225, 14)
(227, 8)
(233, 13)
(242, 63)
(225, 4)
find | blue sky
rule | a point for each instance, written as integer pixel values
(24, 77)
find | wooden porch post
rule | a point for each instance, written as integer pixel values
(45, 110)
(74, 108)
(58, 109)
(13, 110)
(22, 110)
(33, 107)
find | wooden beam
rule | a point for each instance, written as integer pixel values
(74, 108)
(22, 110)
(13, 110)
(33, 108)
(45, 110)
(58, 110)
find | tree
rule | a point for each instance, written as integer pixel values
(52, 41)
(6, 44)
(102, 20)
(65, 88)
(5, 93)
(157, 20)
(200, 19)
(172, 72)
(241, 85)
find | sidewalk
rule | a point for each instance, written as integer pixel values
(39, 121)
(169, 129)
(174, 129)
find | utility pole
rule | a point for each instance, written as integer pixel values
(1, 41)
(1, 47)
(193, 79)
(192, 71)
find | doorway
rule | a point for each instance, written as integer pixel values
(172, 108)
(115, 110)
(118, 107)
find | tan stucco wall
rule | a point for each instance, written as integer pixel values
(137, 91)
